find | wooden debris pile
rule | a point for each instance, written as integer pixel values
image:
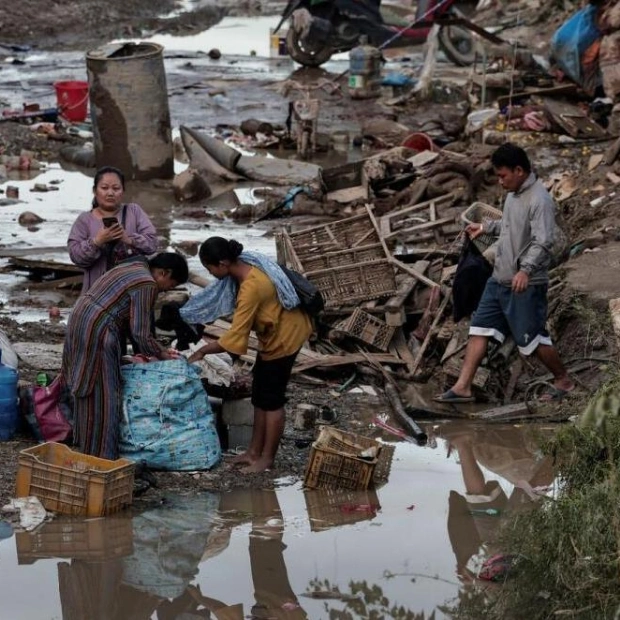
(387, 283)
(373, 296)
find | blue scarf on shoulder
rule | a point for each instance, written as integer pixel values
(218, 299)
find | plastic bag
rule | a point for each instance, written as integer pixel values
(571, 41)
(472, 273)
(48, 410)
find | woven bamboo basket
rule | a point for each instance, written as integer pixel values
(478, 213)
(333, 236)
(343, 258)
(355, 283)
(335, 461)
(368, 329)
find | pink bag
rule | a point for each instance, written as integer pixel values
(52, 410)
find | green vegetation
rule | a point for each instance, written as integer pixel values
(571, 545)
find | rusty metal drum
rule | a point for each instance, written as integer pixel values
(129, 109)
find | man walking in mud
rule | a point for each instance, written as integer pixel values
(514, 300)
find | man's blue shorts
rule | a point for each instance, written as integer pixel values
(522, 315)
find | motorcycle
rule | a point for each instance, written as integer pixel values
(320, 28)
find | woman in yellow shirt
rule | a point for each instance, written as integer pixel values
(280, 332)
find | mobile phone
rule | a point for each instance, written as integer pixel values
(108, 222)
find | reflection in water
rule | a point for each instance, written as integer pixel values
(123, 568)
(329, 508)
(274, 597)
(473, 517)
(224, 556)
(168, 544)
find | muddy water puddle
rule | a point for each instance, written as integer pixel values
(260, 554)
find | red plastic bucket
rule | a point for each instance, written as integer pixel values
(420, 142)
(72, 100)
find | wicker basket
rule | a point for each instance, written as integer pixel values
(335, 461)
(478, 213)
(352, 284)
(72, 483)
(368, 329)
(329, 508)
(343, 258)
(384, 460)
(331, 237)
(80, 539)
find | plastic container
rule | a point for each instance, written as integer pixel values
(364, 72)
(420, 142)
(92, 540)
(337, 461)
(72, 100)
(72, 483)
(9, 416)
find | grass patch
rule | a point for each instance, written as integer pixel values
(570, 545)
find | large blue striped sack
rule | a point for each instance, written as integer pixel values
(167, 419)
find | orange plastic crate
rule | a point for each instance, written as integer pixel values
(93, 540)
(335, 461)
(72, 483)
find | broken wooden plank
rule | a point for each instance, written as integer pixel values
(395, 305)
(611, 154)
(420, 228)
(413, 272)
(571, 368)
(507, 100)
(503, 413)
(406, 287)
(572, 119)
(325, 361)
(68, 282)
(391, 220)
(348, 194)
(516, 368)
(452, 368)
(428, 315)
(400, 348)
(48, 265)
(375, 224)
(420, 354)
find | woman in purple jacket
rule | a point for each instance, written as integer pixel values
(111, 230)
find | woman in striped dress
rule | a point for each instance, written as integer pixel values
(121, 300)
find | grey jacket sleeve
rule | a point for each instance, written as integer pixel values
(542, 230)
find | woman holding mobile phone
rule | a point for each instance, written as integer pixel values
(111, 231)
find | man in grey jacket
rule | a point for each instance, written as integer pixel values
(514, 300)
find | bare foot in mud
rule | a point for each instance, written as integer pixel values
(245, 458)
(258, 466)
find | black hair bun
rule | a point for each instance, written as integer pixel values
(235, 248)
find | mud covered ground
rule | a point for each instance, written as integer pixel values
(352, 412)
(78, 24)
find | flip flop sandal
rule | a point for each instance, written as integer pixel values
(554, 395)
(546, 392)
(451, 397)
